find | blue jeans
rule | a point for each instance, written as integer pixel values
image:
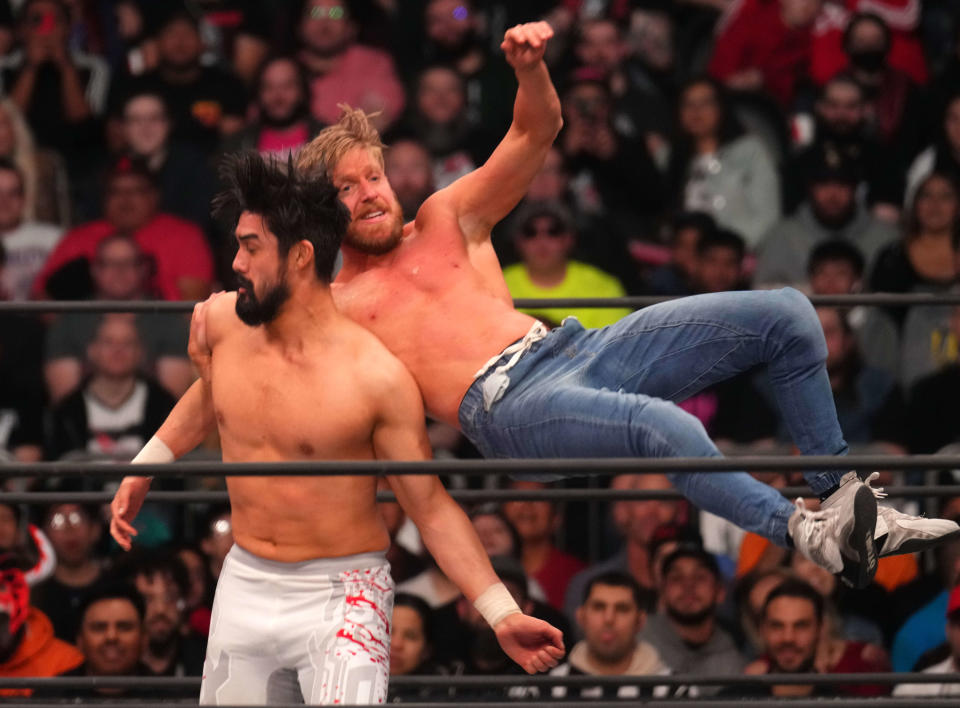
(611, 392)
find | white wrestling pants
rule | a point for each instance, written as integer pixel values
(315, 632)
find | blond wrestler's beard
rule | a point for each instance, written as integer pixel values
(377, 246)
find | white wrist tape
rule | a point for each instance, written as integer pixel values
(154, 452)
(495, 603)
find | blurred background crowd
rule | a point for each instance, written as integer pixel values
(708, 145)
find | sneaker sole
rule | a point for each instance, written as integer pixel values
(860, 574)
(921, 544)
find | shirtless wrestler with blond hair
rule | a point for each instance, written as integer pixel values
(303, 602)
(433, 293)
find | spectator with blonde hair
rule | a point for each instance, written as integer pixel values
(46, 189)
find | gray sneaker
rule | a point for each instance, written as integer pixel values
(899, 533)
(856, 507)
(814, 535)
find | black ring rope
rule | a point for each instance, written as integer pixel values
(632, 301)
(465, 496)
(882, 702)
(483, 468)
(172, 683)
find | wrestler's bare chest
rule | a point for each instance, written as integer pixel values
(440, 307)
(273, 406)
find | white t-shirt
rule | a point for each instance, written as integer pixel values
(27, 248)
(931, 689)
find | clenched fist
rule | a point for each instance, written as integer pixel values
(525, 44)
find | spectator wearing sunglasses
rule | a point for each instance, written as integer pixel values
(544, 236)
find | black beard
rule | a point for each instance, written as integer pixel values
(254, 312)
(690, 619)
(162, 646)
(298, 114)
(838, 222)
(805, 668)
(441, 139)
(451, 54)
(828, 132)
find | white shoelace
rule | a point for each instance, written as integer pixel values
(877, 491)
(813, 533)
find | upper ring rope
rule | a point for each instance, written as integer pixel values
(632, 301)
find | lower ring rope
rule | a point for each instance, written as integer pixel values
(483, 468)
(466, 496)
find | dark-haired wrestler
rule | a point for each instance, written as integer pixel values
(304, 597)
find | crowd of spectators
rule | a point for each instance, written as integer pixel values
(708, 145)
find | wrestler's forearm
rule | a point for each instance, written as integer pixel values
(454, 544)
(536, 110)
(190, 421)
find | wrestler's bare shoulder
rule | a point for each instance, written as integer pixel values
(221, 317)
(380, 372)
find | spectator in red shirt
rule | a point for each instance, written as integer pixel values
(537, 523)
(344, 71)
(183, 264)
(767, 45)
(906, 51)
(893, 98)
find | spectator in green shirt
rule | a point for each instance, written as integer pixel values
(544, 236)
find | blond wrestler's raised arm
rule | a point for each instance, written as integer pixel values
(188, 424)
(450, 537)
(486, 195)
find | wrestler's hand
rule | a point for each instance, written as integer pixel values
(524, 45)
(198, 347)
(125, 507)
(531, 642)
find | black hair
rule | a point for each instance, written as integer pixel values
(729, 129)
(700, 221)
(722, 238)
(859, 17)
(420, 606)
(833, 250)
(302, 79)
(145, 92)
(295, 207)
(579, 28)
(150, 563)
(798, 589)
(440, 66)
(842, 77)
(495, 511)
(118, 236)
(913, 226)
(130, 166)
(698, 554)
(180, 12)
(111, 589)
(617, 579)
